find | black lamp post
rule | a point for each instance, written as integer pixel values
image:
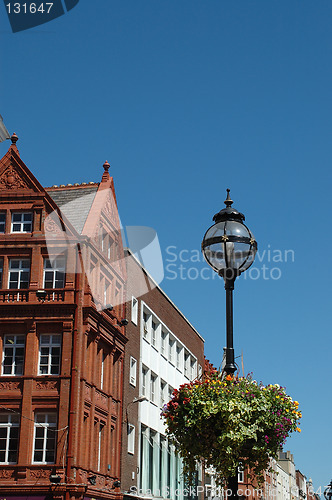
(328, 491)
(229, 248)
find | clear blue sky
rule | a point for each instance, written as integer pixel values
(185, 98)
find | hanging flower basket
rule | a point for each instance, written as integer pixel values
(228, 422)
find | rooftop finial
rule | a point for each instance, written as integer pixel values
(106, 166)
(228, 202)
(14, 139)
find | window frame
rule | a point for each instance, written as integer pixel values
(50, 355)
(134, 310)
(21, 222)
(55, 268)
(14, 356)
(48, 428)
(9, 426)
(131, 439)
(20, 270)
(3, 222)
(132, 371)
(153, 387)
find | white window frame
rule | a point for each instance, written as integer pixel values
(100, 433)
(12, 342)
(13, 422)
(134, 310)
(154, 332)
(163, 342)
(178, 353)
(153, 387)
(57, 266)
(50, 345)
(146, 325)
(21, 222)
(171, 343)
(163, 387)
(186, 363)
(102, 368)
(132, 371)
(145, 381)
(193, 368)
(48, 427)
(20, 270)
(131, 439)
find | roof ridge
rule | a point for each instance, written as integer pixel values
(73, 186)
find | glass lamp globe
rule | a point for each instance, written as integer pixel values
(229, 244)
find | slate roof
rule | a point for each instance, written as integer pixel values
(75, 202)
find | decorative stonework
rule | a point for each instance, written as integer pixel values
(10, 386)
(101, 398)
(51, 226)
(46, 385)
(11, 180)
(40, 473)
(6, 474)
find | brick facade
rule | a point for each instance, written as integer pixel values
(61, 345)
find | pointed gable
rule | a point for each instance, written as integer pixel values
(15, 177)
(17, 182)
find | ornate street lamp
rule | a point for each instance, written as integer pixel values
(328, 492)
(229, 247)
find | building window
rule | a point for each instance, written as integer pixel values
(100, 435)
(170, 392)
(193, 368)
(19, 274)
(153, 387)
(144, 380)
(178, 356)
(133, 366)
(54, 273)
(170, 350)
(163, 343)
(21, 222)
(146, 318)
(9, 434)
(49, 354)
(199, 371)
(186, 364)
(102, 371)
(13, 355)
(131, 438)
(1, 271)
(162, 393)
(154, 334)
(2, 222)
(240, 474)
(134, 310)
(107, 289)
(45, 438)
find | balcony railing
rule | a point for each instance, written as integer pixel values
(23, 296)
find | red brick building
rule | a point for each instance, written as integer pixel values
(62, 337)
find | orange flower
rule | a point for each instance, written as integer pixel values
(229, 377)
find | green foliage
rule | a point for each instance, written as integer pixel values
(228, 422)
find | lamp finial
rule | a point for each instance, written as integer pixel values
(228, 202)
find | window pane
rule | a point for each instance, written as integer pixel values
(38, 456)
(27, 217)
(16, 217)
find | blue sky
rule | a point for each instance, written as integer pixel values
(185, 99)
